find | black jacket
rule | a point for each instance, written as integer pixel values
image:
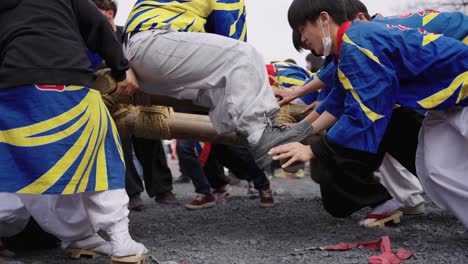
(45, 41)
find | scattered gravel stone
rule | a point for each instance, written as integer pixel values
(240, 232)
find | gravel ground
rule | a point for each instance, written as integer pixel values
(239, 232)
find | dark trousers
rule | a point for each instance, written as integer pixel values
(204, 178)
(237, 158)
(346, 178)
(156, 173)
(401, 137)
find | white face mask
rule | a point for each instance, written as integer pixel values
(326, 41)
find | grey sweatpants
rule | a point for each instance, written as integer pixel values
(226, 75)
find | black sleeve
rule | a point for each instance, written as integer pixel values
(7, 4)
(99, 37)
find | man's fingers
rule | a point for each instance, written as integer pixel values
(282, 156)
(289, 162)
(118, 92)
(279, 149)
(130, 91)
(278, 93)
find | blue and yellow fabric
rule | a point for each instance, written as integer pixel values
(288, 75)
(450, 24)
(203, 150)
(228, 19)
(327, 74)
(222, 17)
(381, 66)
(57, 139)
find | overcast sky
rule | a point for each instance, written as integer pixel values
(267, 25)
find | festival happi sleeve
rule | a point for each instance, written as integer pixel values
(333, 102)
(327, 73)
(228, 19)
(370, 86)
(323, 93)
(450, 24)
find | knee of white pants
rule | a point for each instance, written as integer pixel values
(248, 54)
(13, 214)
(64, 216)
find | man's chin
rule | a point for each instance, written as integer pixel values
(315, 53)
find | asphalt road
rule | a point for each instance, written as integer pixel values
(239, 232)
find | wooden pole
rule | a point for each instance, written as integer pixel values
(185, 126)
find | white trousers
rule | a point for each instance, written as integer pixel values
(78, 216)
(400, 183)
(13, 215)
(442, 160)
(226, 75)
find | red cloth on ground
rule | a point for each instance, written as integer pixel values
(387, 256)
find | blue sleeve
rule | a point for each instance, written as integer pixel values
(323, 93)
(94, 59)
(333, 103)
(327, 73)
(310, 97)
(228, 19)
(311, 78)
(370, 96)
(450, 24)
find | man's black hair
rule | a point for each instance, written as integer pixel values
(289, 60)
(302, 10)
(315, 61)
(297, 42)
(353, 7)
(106, 5)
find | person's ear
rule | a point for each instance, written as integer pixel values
(361, 16)
(111, 13)
(325, 17)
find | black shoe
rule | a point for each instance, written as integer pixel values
(274, 136)
(166, 198)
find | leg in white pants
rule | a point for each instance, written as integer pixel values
(224, 74)
(441, 160)
(74, 219)
(108, 211)
(13, 215)
(63, 216)
(400, 183)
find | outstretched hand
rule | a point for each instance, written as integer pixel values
(287, 95)
(128, 86)
(294, 151)
(311, 107)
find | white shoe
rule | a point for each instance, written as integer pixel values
(388, 207)
(92, 244)
(416, 210)
(123, 245)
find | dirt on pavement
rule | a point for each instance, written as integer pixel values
(238, 231)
